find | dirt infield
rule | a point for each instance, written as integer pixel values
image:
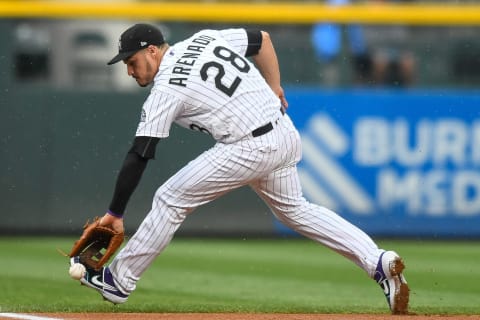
(246, 316)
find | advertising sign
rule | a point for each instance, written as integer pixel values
(395, 163)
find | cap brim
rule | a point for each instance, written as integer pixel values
(122, 56)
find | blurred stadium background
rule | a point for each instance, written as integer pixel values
(385, 94)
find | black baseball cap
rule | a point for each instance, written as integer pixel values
(135, 39)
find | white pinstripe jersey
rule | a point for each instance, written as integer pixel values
(205, 83)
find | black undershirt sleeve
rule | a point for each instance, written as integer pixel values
(254, 42)
(143, 149)
(127, 181)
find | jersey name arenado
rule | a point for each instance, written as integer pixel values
(205, 83)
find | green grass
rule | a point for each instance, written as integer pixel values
(286, 276)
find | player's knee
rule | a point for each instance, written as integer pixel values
(172, 204)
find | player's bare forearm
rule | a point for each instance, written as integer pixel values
(267, 62)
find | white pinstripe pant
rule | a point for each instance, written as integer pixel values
(266, 163)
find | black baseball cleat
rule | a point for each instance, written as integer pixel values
(102, 281)
(390, 278)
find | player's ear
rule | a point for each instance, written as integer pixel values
(152, 50)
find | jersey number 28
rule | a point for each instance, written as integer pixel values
(235, 60)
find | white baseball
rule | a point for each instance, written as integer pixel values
(77, 271)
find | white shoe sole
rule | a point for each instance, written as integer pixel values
(401, 295)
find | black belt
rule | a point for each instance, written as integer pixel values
(260, 131)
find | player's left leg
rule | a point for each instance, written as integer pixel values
(215, 172)
(200, 181)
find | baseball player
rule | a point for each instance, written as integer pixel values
(209, 84)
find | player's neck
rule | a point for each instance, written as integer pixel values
(161, 52)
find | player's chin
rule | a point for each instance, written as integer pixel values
(142, 83)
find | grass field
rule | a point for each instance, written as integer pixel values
(265, 276)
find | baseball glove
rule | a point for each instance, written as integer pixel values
(96, 244)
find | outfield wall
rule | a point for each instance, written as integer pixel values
(267, 12)
(397, 163)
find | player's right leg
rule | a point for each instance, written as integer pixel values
(316, 222)
(328, 228)
(282, 192)
(389, 276)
